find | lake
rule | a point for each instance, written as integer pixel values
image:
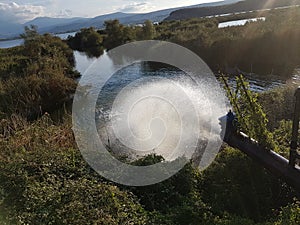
(11, 43)
(17, 42)
(240, 22)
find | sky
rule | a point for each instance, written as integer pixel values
(20, 11)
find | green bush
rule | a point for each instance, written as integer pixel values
(44, 180)
(42, 79)
(278, 104)
(237, 185)
(290, 215)
(87, 40)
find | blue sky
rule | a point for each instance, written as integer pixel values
(21, 11)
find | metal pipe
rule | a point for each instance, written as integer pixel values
(276, 164)
(294, 143)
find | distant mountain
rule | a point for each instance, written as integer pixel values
(48, 21)
(124, 18)
(98, 22)
(160, 15)
(75, 25)
(8, 30)
(63, 25)
(234, 7)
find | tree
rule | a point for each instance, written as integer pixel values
(148, 30)
(117, 34)
(30, 34)
(114, 31)
(129, 34)
(87, 40)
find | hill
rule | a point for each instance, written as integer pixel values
(124, 18)
(238, 7)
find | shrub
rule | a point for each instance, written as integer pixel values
(44, 180)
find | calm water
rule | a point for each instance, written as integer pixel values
(240, 22)
(17, 42)
(257, 83)
(10, 43)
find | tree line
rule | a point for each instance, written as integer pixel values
(93, 42)
(264, 47)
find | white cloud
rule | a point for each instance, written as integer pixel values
(15, 13)
(137, 7)
(64, 13)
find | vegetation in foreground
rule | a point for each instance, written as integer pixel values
(44, 180)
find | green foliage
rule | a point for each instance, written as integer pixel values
(46, 52)
(87, 40)
(148, 31)
(46, 47)
(252, 119)
(283, 136)
(79, 201)
(33, 95)
(117, 34)
(44, 180)
(290, 215)
(3, 220)
(129, 34)
(234, 220)
(278, 104)
(237, 185)
(37, 77)
(30, 34)
(176, 198)
(12, 62)
(263, 47)
(174, 189)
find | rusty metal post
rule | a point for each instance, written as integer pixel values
(294, 144)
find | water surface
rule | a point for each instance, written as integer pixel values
(240, 22)
(17, 42)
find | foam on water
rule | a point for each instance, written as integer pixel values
(172, 117)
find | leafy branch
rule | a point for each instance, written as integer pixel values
(253, 121)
